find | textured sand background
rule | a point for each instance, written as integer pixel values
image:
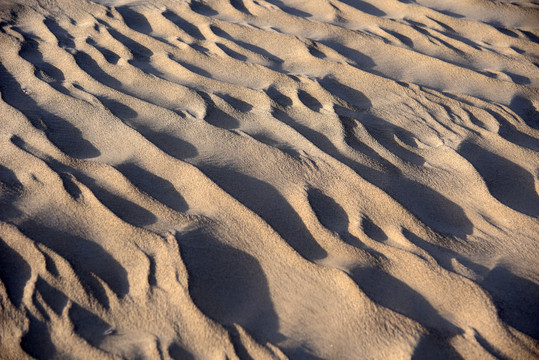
(312, 179)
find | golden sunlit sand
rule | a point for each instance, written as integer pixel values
(269, 179)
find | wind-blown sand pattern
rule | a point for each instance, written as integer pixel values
(269, 179)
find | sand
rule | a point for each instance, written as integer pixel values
(269, 179)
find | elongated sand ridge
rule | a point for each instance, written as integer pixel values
(269, 179)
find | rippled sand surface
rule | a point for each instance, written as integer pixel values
(269, 179)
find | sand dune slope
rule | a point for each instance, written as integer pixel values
(325, 179)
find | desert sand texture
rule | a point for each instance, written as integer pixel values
(269, 179)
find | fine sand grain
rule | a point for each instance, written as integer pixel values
(269, 179)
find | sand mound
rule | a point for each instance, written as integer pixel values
(269, 179)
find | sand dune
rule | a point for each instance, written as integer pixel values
(271, 179)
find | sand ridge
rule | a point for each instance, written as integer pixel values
(269, 179)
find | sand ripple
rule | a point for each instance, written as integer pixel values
(269, 179)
